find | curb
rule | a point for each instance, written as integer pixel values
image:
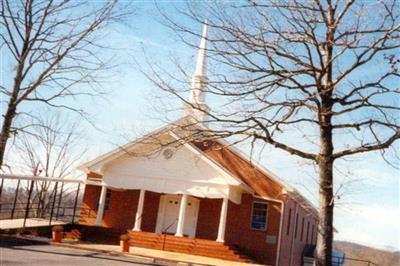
(103, 251)
(157, 261)
(142, 259)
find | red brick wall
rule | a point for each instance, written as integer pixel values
(89, 204)
(123, 204)
(150, 211)
(208, 218)
(292, 245)
(253, 242)
(122, 209)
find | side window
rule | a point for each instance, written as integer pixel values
(297, 223)
(302, 229)
(308, 231)
(259, 216)
(289, 221)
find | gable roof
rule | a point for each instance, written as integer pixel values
(221, 154)
(251, 175)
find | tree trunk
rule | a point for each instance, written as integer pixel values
(325, 157)
(326, 204)
(6, 128)
(11, 107)
(326, 200)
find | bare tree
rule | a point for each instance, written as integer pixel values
(283, 72)
(54, 49)
(53, 148)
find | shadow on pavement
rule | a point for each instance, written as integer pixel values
(24, 245)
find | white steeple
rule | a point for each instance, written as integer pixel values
(199, 82)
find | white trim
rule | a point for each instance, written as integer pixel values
(278, 251)
(182, 215)
(139, 211)
(222, 220)
(41, 178)
(100, 209)
(219, 184)
(294, 232)
(93, 183)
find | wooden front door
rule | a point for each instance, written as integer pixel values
(167, 218)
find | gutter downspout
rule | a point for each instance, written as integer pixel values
(278, 249)
(293, 234)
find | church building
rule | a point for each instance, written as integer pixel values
(199, 197)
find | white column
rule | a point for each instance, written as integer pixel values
(222, 221)
(139, 211)
(102, 201)
(181, 217)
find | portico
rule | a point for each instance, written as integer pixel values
(177, 214)
(181, 175)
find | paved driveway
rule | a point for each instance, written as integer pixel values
(18, 252)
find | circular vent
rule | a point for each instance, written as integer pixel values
(168, 153)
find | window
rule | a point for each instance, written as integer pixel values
(308, 231)
(259, 216)
(289, 221)
(297, 222)
(302, 229)
(312, 234)
(107, 202)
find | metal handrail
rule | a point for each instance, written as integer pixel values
(164, 232)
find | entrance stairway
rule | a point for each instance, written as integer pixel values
(193, 246)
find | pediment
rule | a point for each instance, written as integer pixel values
(168, 163)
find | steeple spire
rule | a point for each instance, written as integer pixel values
(201, 66)
(199, 82)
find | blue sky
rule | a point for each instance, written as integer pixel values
(369, 208)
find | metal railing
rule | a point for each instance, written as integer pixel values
(8, 211)
(338, 261)
(43, 202)
(68, 214)
(165, 231)
(361, 262)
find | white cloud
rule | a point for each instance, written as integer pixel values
(374, 225)
(384, 215)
